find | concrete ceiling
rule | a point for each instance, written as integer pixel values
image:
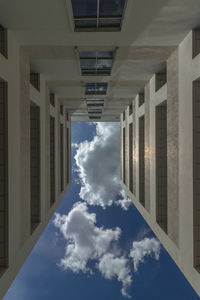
(151, 31)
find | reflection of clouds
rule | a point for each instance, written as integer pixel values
(111, 7)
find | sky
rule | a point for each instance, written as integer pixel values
(97, 245)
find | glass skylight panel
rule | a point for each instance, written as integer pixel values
(94, 111)
(94, 117)
(98, 14)
(95, 102)
(96, 88)
(96, 62)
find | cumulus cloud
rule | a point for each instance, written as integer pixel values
(111, 266)
(85, 240)
(98, 167)
(144, 248)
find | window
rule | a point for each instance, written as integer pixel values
(52, 160)
(94, 117)
(124, 155)
(196, 172)
(35, 80)
(161, 79)
(3, 41)
(196, 42)
(124, 116)
(131, 157)
(161, 165)
(35, 165)
(96, 88)
(61, 109)
(96, 62)
(95, 102)
(61, 159)
(141, 99)
(3, 176)
(142, 160)
(98, 15)
(130, 109)
(94, 111)
(52, 99)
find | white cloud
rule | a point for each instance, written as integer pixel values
(98, 166)
(143, 248)
(84, 239)
(111, 266)
(125, 202)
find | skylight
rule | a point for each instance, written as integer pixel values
(96, 88)
(94, 117)
(96, 62)
(95, 102)
(94, 111)
(98, 15)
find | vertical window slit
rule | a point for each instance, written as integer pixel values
(131, 157)
(196, 171)
(141, 161)
(61, 157)
(35, 165)
(3, 177)
(52, 160)
(161, 165)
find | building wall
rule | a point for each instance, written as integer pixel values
(181, 237)
(16, 72)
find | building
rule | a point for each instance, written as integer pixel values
(135, 61)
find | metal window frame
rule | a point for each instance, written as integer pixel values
(91, 102)
(98, 18)
(97, 92)
(95, 117)
(94, 111)
(109, 73)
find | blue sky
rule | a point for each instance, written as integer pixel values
(78, 256)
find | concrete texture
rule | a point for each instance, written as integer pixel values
(176, 201)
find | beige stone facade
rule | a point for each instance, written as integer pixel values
(153, 86)
(167, 176)
(26, 157)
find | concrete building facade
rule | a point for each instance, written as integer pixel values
(160, 155)
(35, 159)
(136, 62)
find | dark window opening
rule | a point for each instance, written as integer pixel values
(96, 62)
(131, 157)
(3, 176)
(96, 88)
(196, 172)
(124, 115)
(61, 159)
(52, 99)
(35, 165)
(3, 41)
(61, 109)
(141, 161)
(160, 79)
(52, 160)
(161, 165)
(196, 42)
(141, 99)
(35, 80)
(68, 156)
(130, 109)
(124, 155)
(98, 15)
